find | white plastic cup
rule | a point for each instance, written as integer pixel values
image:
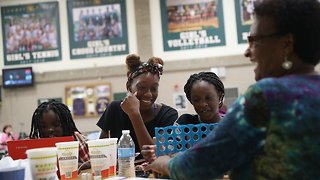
(68, 153)
(112, 156)
(99, 157)
(43, 163)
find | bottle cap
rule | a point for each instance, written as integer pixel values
(125, 131)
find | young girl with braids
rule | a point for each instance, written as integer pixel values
(54, 119)
(138, 111)
(205, 91)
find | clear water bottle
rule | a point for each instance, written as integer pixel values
(126, 152)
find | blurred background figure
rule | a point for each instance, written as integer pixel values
(5, 136)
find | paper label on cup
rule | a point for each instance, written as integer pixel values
(43, 168)
(99, 160)
(68, 162)
(43, 163)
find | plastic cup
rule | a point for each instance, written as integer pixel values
(43, 163)
(68, 153)
(99, 157)
(12, 173)
(112, 156)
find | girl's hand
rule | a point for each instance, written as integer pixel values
(130, 104)
(149, 152)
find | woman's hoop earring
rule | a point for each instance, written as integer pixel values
(286, 64)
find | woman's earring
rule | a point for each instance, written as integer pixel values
(286, 64)
(220, 103)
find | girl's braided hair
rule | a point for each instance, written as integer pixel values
(61, 110)
(209, 77)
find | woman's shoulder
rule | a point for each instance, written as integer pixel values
(287, 80)
(265, 85)
(285, 84)
(265, 82)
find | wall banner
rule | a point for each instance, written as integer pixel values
(97, 28)
(192, 24)
(31, 33)
(244, 14)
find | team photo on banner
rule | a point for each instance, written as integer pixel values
(31, 33)
(97, 28)
(192, 24)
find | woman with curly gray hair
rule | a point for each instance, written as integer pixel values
(272, 130)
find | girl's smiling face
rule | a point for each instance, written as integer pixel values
(146, 85)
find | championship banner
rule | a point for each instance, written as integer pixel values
(97, 28)
(31, 33)
(244, 14)
(192, 24)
